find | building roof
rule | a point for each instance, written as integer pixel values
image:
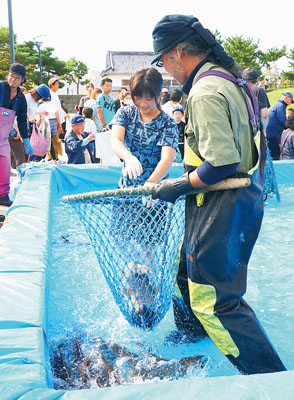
(128, 62)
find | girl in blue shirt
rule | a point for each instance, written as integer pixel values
(146, 139)
(143, 135)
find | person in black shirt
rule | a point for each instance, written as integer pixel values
(251, 76)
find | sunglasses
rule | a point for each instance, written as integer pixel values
(16, 77)
(159, 63)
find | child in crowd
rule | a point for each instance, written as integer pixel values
(287, 139)
(177, 114)
(48, 111)
(77, 142)
(142, 135)
(90, 127)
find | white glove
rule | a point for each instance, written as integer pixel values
(148, 201)
(133, 167)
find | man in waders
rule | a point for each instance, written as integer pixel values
(12, 104)
(221, 227)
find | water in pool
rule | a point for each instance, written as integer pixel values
(90, 342)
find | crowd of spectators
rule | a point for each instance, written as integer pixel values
(50, 116)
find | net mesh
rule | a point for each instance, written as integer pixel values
(270, 186)
(137, 250)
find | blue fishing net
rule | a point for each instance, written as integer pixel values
(137, 248)
(270, 186)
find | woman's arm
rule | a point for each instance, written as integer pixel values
(31, 119)
(133, 167)
(117, 142)
(167, 156)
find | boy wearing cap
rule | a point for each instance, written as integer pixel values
(177, 115)
(12, 104)
(77, 142)
(276, 123)
(221, 227)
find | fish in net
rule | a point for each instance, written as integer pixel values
(137, 245)
(137, 249)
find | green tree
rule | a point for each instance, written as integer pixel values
(272, 55)
(246, 53)
(290, 74)
(28, 55)
(76, 71)
(4, 52)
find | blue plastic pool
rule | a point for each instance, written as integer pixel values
(52, 287)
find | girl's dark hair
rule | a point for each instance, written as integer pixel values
(290, 122)
(176, 95)
(147, 81)
(88, 112)
(35, 95)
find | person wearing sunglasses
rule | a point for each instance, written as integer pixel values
(222, 137)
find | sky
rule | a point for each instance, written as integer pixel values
(87, 29)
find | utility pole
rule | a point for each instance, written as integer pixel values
(39, 44)
(11, 35)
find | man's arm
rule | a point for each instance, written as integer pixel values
(101, 116)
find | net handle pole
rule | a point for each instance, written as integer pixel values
(229, 183)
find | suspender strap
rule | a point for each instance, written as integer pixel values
(1, 93)
(253, 114)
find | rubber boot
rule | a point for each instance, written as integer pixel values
(5, 201)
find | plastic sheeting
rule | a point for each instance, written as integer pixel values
(24, 258)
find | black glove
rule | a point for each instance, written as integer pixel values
(171, 189)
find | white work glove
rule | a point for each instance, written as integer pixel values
(148, 201)
(133, 167)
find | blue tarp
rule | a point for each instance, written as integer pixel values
(25, 255)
